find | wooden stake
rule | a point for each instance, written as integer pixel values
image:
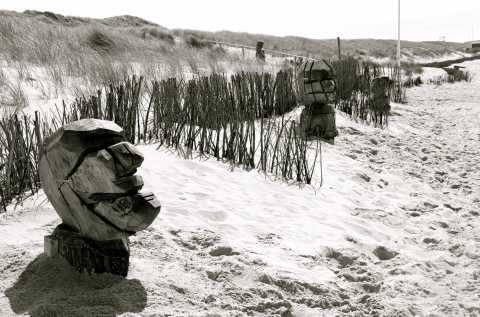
(339, 49)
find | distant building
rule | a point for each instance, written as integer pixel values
(475, 48)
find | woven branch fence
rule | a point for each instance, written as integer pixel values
(354, 95)
(238, 120)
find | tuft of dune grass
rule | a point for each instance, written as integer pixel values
(101, 42)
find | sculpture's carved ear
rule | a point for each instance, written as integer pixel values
(127, 158)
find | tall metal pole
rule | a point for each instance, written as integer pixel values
(399, 69)
(398, 43)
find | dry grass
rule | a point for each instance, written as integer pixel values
(411, 69)
(12, 96)
(100, 52)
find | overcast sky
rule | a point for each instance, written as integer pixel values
(457, 20)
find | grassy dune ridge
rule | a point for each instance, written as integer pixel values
(327, 48)
(99, 51)
(135, 36)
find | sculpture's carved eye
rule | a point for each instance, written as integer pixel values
(123, 205)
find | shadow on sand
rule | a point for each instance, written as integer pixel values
(51, 287)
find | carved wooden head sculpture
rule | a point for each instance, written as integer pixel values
(88, 171)
(316, 82)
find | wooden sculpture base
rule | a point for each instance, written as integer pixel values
(87, 255)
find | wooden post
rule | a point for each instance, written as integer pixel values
(339, 48)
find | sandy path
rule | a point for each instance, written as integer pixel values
(433, 145)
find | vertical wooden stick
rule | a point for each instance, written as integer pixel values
(339, 49)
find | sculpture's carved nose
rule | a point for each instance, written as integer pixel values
(127, 158)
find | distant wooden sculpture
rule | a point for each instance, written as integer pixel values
(380, 98)
(316, 89)
(88, 171)
(260, 52)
